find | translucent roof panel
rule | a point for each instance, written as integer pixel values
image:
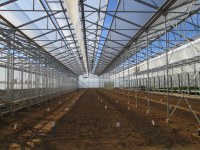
(107, 32)
(128, 18)
(48, 24)
(181, 26)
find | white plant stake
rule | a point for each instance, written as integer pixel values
(153, 123)
(53, 124)
(118, 124)
(148, 111)
(15, 126)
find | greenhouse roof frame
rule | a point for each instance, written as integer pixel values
(113, 32)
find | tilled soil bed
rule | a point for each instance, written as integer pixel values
(18, 129)
(91, 125)
(97, 120)
(182, 123)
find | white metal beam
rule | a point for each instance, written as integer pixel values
(73, 10)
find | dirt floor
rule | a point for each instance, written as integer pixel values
(18, 129)
(98, 120)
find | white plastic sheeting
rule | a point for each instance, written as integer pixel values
(42, 26)
(73, 9)
(91, 81)
(184, 52)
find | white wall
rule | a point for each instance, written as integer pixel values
(92, 81)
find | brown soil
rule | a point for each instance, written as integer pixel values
(88, 125)
(160, 101)
(28, 121)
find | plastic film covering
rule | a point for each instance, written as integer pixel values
(176, 14)
(129, 18)
(49, 25)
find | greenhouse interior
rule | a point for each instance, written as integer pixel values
(99, 74)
